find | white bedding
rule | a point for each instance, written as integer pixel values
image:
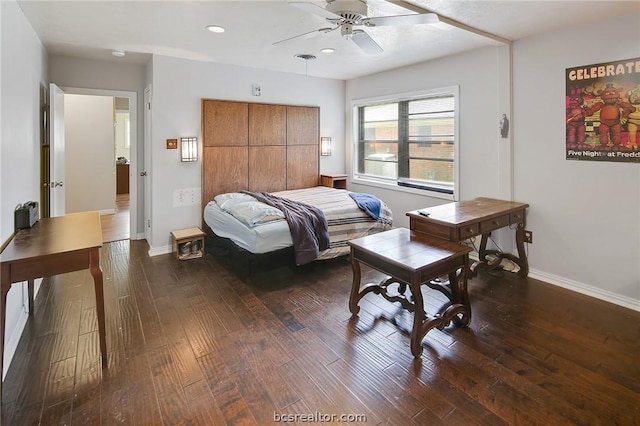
(345, 220)
(247, 209)
(260, 239)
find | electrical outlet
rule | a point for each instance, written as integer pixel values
(528, 237)
(185, 197)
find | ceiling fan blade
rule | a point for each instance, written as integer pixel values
(365, 42)
(315, 9)
(304, 36)
(421, 18)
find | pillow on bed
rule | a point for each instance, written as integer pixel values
(226, 200)
(253, 213)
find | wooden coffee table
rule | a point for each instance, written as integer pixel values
(412, 260)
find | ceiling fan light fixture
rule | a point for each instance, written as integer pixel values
(346, 30)
(118, 53)
(215, 28)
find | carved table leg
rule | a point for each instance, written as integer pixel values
(458, 282)
(458, 311)
(522, 261)
(358, 291)
(482, 257)
(482, 250)
(355, 286)
(418, 332)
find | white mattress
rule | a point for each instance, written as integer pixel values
(260, 239)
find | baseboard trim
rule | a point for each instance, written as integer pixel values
(578, 287)
(585, 289)
(158, 250)
(107, 211)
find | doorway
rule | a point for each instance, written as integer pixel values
(116, 226)
(119, 219)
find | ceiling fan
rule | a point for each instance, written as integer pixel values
(347, 14)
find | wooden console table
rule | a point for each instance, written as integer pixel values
(466, 219)
(413, 260)
(54, 246)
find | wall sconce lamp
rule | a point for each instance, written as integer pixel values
(325, 146)
(189, 149)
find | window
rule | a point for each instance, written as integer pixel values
(409, 142)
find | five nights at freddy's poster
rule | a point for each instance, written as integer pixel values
(603, 112)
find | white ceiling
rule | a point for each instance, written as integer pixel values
(91, 29)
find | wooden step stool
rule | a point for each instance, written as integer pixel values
(411, 260)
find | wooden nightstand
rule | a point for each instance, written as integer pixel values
(334, 181)
(187, 243)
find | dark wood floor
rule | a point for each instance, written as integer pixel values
(191, 343)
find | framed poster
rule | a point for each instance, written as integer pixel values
(602, 104)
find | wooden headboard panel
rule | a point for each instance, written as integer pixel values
(258, 147)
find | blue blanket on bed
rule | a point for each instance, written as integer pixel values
(367, 202)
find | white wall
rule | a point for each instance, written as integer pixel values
(90, 179)
(23, 72)
(477, 73)
(178, 87)
(585, 215)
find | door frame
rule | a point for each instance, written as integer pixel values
(56, 178)
(147, 223)
(133, 135)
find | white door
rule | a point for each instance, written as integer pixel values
(56, 150)
(147, 164)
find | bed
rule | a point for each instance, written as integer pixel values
(274, 149)
(239, 218)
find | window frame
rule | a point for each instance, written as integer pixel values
(394, 184)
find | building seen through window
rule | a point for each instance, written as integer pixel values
(409, 141)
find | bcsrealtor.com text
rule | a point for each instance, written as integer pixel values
(318, 417)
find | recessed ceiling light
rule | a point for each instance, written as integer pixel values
(215, 28)
(118, 53)
(328, 50)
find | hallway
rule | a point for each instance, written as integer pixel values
(115, 227)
